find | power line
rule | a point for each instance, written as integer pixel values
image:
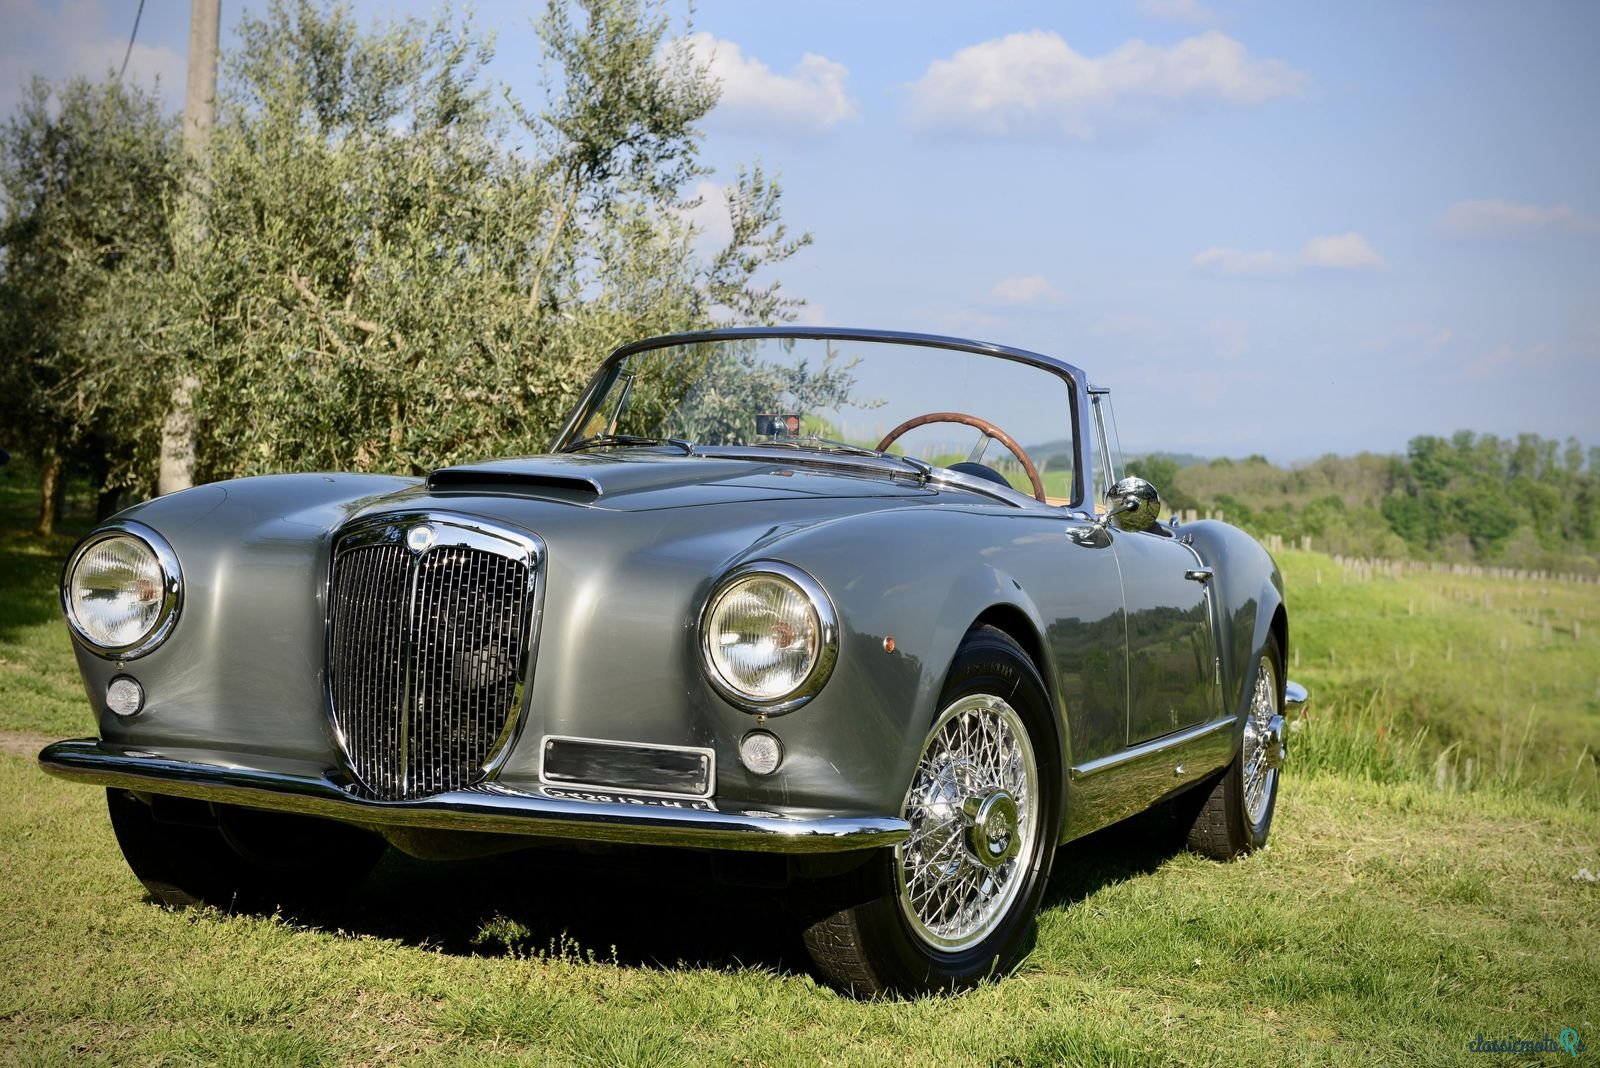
(137, 15)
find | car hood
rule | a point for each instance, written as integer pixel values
(643, 481)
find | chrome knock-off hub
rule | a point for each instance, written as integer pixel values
(992, 837)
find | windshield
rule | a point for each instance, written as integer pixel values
(839, 395)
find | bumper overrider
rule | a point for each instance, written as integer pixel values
(548, 812)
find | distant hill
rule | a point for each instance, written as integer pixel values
(1064, 445)
(1181, 459)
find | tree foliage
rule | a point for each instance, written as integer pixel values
(1526, 501)
(398, 266)
(88, 173)
(707, 392)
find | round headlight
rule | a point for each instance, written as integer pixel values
(769, 637)
(121, 590)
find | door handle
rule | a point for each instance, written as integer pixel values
(1198, 574)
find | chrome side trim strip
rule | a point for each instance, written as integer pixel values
(492, 808)
(1155, 748)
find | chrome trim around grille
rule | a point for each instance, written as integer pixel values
(303, 789)
(416, 656)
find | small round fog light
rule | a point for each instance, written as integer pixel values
(761, 752)
(125, 696)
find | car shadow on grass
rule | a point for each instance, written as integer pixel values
(1139, 845)
(651, 908)
(647, 909)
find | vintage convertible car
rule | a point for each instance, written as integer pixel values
(794, 598)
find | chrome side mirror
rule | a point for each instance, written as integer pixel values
(1133, 504)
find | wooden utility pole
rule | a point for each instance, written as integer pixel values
(199, 113)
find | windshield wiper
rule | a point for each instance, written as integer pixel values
(602, 440)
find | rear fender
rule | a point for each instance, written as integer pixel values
(1247, 595)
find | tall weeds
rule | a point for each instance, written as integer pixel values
(1366, 740)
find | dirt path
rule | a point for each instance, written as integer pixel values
(24, 743)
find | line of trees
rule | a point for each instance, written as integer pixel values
(1527, 501)
(401, 265)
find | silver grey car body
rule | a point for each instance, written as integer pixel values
(553, 681)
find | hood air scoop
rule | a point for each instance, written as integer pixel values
(520, 479)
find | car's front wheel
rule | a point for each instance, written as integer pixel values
(955, 901)
(191, 853)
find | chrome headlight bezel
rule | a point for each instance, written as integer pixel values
(171, 590)
(826, 628)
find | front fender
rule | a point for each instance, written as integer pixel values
(242, 668)
(926, 594)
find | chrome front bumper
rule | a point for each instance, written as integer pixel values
(584, 815)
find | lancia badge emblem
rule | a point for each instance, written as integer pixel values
(419, 539)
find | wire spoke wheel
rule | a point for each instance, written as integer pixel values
(1263, 744)
(954, 902)
(1232, 813)
(973, 806)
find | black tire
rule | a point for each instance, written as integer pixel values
(190, 853)
(877, 941)
(1232, 820)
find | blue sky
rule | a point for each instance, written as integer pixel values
(1282, 228)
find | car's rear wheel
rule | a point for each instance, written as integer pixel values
(955, 901)
(1236, 814)
(192, 853)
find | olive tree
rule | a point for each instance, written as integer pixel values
(88, 174)
(400, 271)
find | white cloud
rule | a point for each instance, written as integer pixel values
(1502, 218)
(1035, 84)
(78, 38)
(1234, 262)
(709, 217)
(1190, 11)
(810, 99)
(1343, 252)
(1026, 291)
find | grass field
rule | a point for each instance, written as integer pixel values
(1463, 682)
(1405, 905)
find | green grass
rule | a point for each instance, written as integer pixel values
(38, 688)
(1460, 681)
(1385, 923)
(1400, 910)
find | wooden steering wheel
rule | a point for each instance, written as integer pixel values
(989, 430)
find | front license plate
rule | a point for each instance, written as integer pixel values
(627, 767)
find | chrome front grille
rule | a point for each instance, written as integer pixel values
(429, 636)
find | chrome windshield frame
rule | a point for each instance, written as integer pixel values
(1076, 381)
